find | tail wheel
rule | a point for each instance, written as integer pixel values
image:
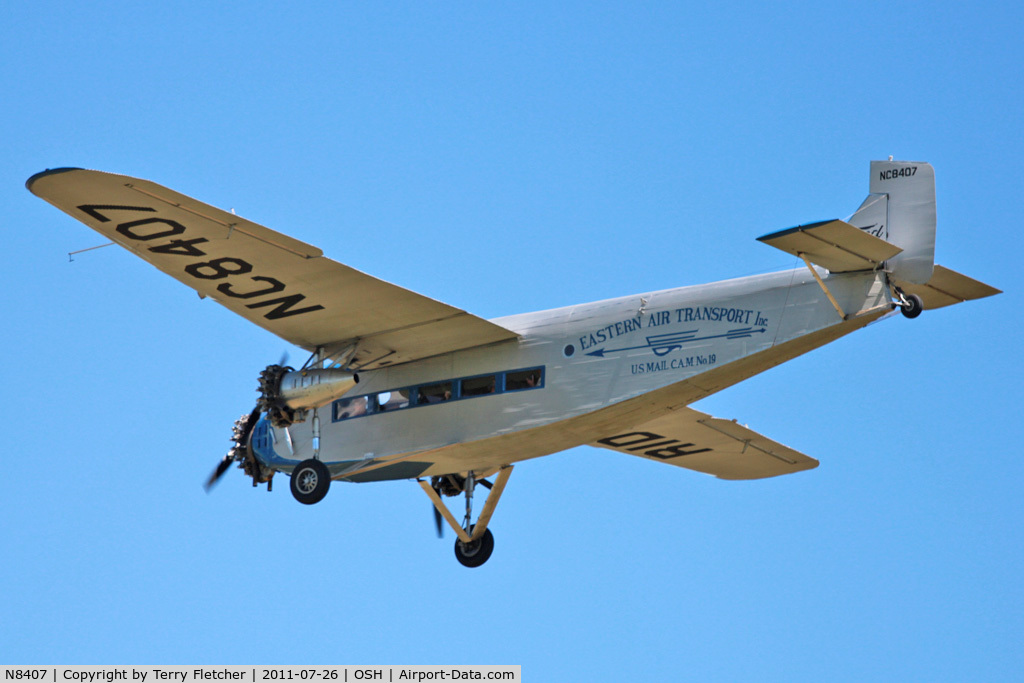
(477, 552)
(310, 481)
(913, 307)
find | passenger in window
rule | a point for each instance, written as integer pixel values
(436, 393)
(478, 386)
(439, 398)
(525, 379)
(351, 407)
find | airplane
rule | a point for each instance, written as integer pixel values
(399, 386)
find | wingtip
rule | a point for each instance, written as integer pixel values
(50, 171)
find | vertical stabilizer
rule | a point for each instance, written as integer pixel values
(901, 210)
(873, 216)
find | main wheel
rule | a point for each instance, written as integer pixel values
(310, 481)
(914, 306)
(476, 553)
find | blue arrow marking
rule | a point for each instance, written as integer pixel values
(662, 344)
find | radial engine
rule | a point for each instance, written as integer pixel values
(287, 395)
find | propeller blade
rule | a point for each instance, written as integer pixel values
(250, 423)
(219, 472)
(437, 523)
(243, 437)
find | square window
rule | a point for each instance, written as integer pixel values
(346, 408)
(478, 386)
(435, 393)
(392, 400)
(524, 379)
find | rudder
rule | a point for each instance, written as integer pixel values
(901, 211)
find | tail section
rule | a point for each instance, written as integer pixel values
(901, 211)
(893, 230)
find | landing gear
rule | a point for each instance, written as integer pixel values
(912, 306)
(475, 553)
(310, 481)
(475, 543)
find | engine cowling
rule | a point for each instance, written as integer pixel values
(286, 394)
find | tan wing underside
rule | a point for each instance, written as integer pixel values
(834, 244)
(277, 282)
(691, 439)
(947, 287)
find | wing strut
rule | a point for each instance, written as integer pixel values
(492, 502)
(835, 245)
(445, 512)
(824, 288)
(475, 541)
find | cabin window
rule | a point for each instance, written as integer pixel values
(524, 379)
(392, 400)
(478, 386)
(350, 407)
(435, 393)
(438, 392)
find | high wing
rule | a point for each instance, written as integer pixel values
(283, 285)
(691, 439)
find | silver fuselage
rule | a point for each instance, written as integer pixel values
(604, 364)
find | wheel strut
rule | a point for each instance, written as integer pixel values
(469, 532)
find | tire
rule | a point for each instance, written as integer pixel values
(914, 306)
(310, 481)
(476, 553)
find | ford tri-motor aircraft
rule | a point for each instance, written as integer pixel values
(400, 386)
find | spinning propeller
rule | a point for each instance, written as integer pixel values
(242, 429)
(240, 436)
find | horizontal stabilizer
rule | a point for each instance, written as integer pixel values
(947, 287)
(691, 439)
(834, 244)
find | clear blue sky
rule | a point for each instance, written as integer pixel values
(508, 157)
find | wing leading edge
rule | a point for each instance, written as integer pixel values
(691, 439)
(279, 283)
